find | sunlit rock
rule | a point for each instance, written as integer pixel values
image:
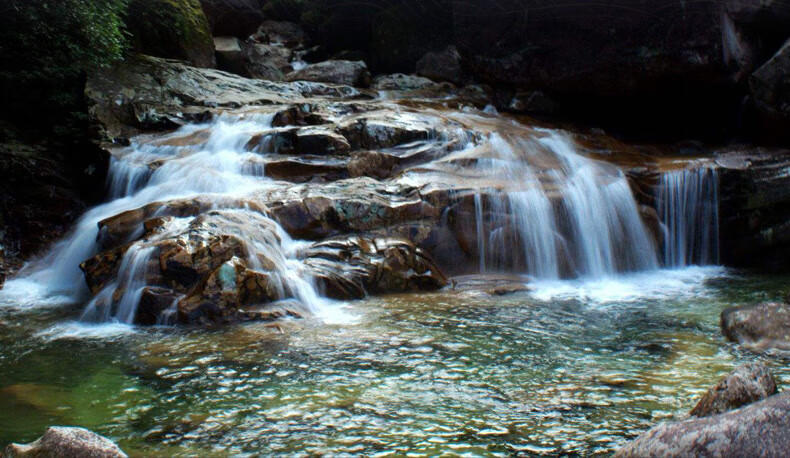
(67, 442)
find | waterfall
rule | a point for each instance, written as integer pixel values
(688, 206)
(214, 159)
(572, 216)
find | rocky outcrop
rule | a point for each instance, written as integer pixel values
(351, 268)
(769, 89)
(759, 326)
(146, 93)
(760, 429)
(746, 384)
(174, 29)
(754, 203)
(343, 72)
(66, 442)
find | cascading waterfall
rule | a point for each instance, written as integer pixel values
(207, 159)
(576, 217)
(688, 206)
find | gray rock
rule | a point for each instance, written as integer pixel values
(769, 88)
(343, 72)
(761, 429)
(401, 82)
(442, 66)
(66, 442)
(251, 60)
(747, 384)
(759, 326)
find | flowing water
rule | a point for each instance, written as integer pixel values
(604, 346)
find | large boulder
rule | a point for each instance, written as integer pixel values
(175, 29)
(252, 60)
(401, 82)
(66, 442)
(769, 88)
(238, 18)
(351, 268)
(759, 326)
(444, 65)
(760, 429)
(345, 72)
(746, 384)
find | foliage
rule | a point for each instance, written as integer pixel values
(45, 39)
(45, 48)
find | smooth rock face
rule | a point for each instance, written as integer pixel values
(67, 442)
(760, 429)
(769, 88)
(747, 384)
(760, 326)
(343, 72)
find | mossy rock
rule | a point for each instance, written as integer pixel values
(176, 29)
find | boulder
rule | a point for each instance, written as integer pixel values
(352, 267)
(175, 29)
(760, 429)
(759, 326)
(342, 72)
(283, 33)
(401, 82)
(442, 66)
(748, 383)
(66, 442)
(237, 18)
(769, 89)
(251, 60)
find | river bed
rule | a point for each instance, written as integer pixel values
(572, 367)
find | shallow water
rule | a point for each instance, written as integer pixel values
(572, 367)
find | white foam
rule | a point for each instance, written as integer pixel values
(75, 330)
(657, 284)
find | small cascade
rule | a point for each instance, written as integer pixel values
(569, 217)
(688, 206)
(215, 160)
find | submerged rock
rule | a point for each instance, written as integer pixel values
(760, 429)
(66, 442)
(747, 384)
(759, 326)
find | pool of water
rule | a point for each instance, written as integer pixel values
(571, 367)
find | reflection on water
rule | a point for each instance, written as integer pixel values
(554, 371)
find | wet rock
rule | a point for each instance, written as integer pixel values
(146, 93)
(382, 130)
(495, 285)
(759, 429)
(760, 326)
(3, 266)
(342, 72)
(251, 60)
(174, 29)
(769, 88)
(753, 206)
(401, 82)
(747, 384)
(238, 18)
(154, 302)
(67, 442)
(442, 66)
(284, 33)
(351, 268)
(320, 140)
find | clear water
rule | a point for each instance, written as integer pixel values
(573, 367)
